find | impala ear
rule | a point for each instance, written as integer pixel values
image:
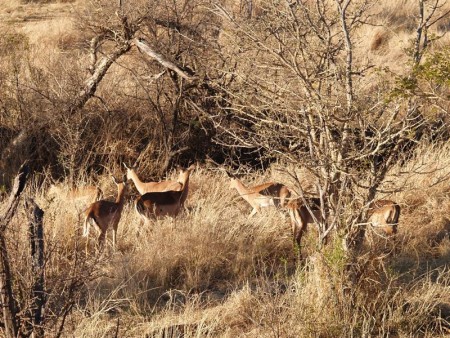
(114, 179)
(192, 166)
(230, 174)
(226, 172)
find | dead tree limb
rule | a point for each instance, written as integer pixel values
(9, 308)
(144, 47)
(98, 72)
(36, 233)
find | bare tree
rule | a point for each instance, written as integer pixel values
(299, 95)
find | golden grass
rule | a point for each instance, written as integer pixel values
(381, 44)
(213, 272)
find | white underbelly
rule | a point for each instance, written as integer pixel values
(265, 202)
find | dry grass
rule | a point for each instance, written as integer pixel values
(214, 272)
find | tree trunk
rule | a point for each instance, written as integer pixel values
(97, 75)
(36, 231)
(9, 308)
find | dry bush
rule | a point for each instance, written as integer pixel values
(399, 14)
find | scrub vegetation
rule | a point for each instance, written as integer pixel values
(343, 100)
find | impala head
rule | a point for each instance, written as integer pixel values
(130, 170)
(233, 180)
(185, 173)
(117, 182)
(384, 214)
(121, 185)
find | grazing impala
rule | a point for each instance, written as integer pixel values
(145, 187)
(261, 196)
(165, 203)
(384, 214)
(301, 216)
(105, 214)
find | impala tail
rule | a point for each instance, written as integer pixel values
(87, 225)
(396, 215)
(139, 206)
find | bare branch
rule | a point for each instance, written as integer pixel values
(143, 46)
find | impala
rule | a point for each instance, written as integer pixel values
(165, 203)
(87, 193)
(384, 214)
(145, 187)
(261, 196)
(301, 216)
(105, 214)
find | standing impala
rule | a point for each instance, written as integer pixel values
(384, 214)
(106, 214)
(165, 203)
(144, 187)
(261, 196)
(301, 216)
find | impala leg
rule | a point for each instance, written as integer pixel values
(101, 239)
(298, 228)
(298, 233)
(114, 238)
(86, 233)
(254, 211)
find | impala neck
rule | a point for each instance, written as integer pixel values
(135, 178)
(185, 183)
(120, 194)
(241, 188)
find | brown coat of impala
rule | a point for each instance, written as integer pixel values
(301, 216)
(82, 194)
(165, 203)
(105, 214)
(145, 187)
(263, 195)
(384, 215)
